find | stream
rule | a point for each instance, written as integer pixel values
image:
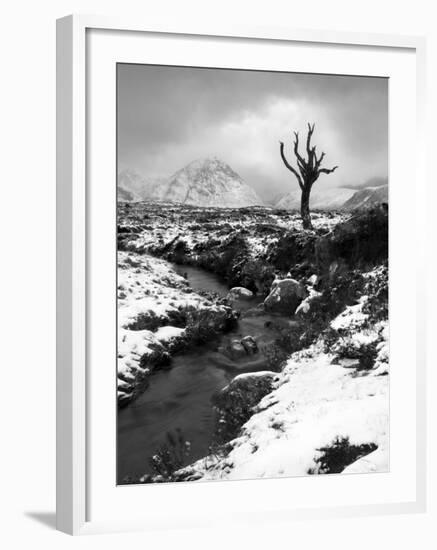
(180, 397)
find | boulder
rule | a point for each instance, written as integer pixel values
(306, 305)
(206, 324)
(236, 350)
(250, 345)
(285, 296)
(240, 293)
(253, 386)
(235, 402)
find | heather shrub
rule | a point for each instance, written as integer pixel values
(377, 291)
(364, 349)
(234, 404)
(361, 241)
(340, 453)
(171, 456)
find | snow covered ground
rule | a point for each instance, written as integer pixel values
(152, 303)
(327, 409)
(324, 415)
(165, 224)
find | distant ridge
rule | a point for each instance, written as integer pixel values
(133, 187)
(336, 198)
(330, 198)
(365, 198)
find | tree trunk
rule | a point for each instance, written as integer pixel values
(310, 170)
(305, 209)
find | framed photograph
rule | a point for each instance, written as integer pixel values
(240, 336)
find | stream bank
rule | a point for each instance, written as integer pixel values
(181, 397)
(334, 350)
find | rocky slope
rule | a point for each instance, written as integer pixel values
(366, 198)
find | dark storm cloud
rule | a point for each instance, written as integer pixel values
(169, 116)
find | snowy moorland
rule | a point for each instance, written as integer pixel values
(325, 413)
(306, 358)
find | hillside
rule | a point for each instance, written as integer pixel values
(366, 198)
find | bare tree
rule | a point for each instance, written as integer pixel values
(310, 170)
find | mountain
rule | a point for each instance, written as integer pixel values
(322, 198)
(364, 198)
(133, 187)
(210, 182)
(205, 182)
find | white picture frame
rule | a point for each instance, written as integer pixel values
(74, 468)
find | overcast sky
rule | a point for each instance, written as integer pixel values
(170, 116)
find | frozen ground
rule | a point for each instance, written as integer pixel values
(327, 408)
(324, 415)
(153, 301)
(146, 228)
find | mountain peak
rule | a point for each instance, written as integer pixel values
(207, 161)
(210, 182)
(209, 164)
(204, 161)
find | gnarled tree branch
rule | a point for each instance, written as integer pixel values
(309, 135)
(320, 159)
(296, 149)
(327, 170)
(288, 165)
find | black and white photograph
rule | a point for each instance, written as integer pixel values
(252, 274)
(218, 275)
